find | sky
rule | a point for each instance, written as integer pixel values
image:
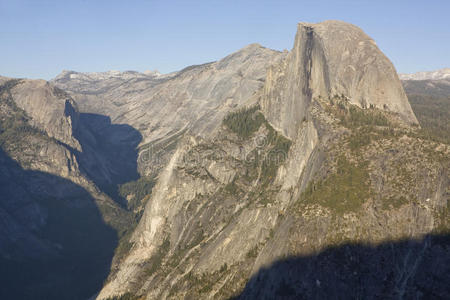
(39, 38)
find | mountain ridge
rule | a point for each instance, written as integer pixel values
(427, 75)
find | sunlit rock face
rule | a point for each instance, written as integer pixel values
(332, 58)
(214, 219)
(162, 107)
(50, 109)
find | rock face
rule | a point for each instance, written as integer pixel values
(57, 161)
(196, 97)
(332, 58)
(163, 107)
(317, 163)
(49, 118)
(49, 108)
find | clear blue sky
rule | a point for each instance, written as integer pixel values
(40, 38)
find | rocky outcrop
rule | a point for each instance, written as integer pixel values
(50, 109)
(331, 58)
(163, 107)
(45, 119)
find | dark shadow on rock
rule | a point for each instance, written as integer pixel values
(410, 269)
(109, 152)
(54, 243)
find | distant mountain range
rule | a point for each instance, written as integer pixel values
(429, 75)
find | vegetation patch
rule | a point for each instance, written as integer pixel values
(276, 155)
(351, 116)
(245, 121)
(433, 114)
(395, 202)
(136, 192)
(363, 136)
(262, 162)
(126, 296)
(359, 139)
(156, 260)
(253, 253)
(343, 191)
(232, 188)
(355, 117)
(366, 125)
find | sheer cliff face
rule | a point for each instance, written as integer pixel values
(328, 59)
(195, 98)
(50, 109)
(50, 120)
(163, 107)
(236, 200)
